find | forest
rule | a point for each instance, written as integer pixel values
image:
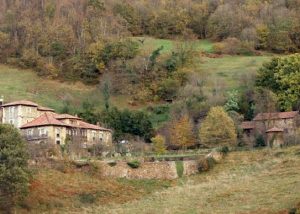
(84, 39)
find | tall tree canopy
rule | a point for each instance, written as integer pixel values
(282, 76)
(14, 174)
(218, 128)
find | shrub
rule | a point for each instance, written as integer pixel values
(87, 198)
(203, 165)
(134, 164)
(260, 141)
(234, 46)
(179, 168)
(159, 144)
(223, 149)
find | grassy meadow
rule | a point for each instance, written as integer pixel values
(259, 181)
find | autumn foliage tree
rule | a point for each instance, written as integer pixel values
(218, 128)
(181, 133)
(159, 144)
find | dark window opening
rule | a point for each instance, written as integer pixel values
(58, 142)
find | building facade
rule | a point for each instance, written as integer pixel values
(278, 127)
(42, 125)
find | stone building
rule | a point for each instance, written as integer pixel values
(283, 125)
(41, 124)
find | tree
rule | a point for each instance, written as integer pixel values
(181, 133)
(218, 128)
(14, 173)
(106, 95)
(159, 144)
(232, 103)
(282, 76)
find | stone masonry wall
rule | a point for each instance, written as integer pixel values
(148, 170)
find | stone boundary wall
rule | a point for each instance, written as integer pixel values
(148, 170)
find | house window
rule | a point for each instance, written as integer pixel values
(58, 142)
(101, 137)
(94, 135)
(11, 109)
(43, 132)
(57, 133)
(29, 132)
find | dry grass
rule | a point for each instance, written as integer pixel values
(54, 190)
(263, 181)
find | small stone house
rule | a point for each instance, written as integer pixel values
(278, 125)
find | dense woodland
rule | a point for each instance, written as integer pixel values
(83, 39)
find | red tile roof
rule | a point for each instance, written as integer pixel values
(41, 108)
(53, 119)
(21, 102)
(46, 119)
(66, 116)
(86, 125)
(274, 130)
(248, 125)
(276, 115)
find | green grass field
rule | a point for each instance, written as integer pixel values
(20, 84)
(151, 44)
(230, 72)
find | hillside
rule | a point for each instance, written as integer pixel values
(258, 181)
(261, 181)
(224, 73)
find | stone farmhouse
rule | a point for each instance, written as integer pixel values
(42, 125)
(276, 128)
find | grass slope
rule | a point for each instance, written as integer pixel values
(151, 44)
(265, 181)
(230, 72)
(20, 84)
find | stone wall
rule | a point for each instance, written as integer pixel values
(148, 170)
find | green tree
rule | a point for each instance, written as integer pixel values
(232, 103)
(218, 128)
(106, 95)
(14, 172)
(282, 76)
(159, 144)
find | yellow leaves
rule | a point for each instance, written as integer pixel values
(159, 144)
(181, 132)
(218, 128)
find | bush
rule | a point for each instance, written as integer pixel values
(159, 144)
(203, 165)
(134, 164)
(223, 149)
(260, 141)
(87, 198)
(234, 46)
